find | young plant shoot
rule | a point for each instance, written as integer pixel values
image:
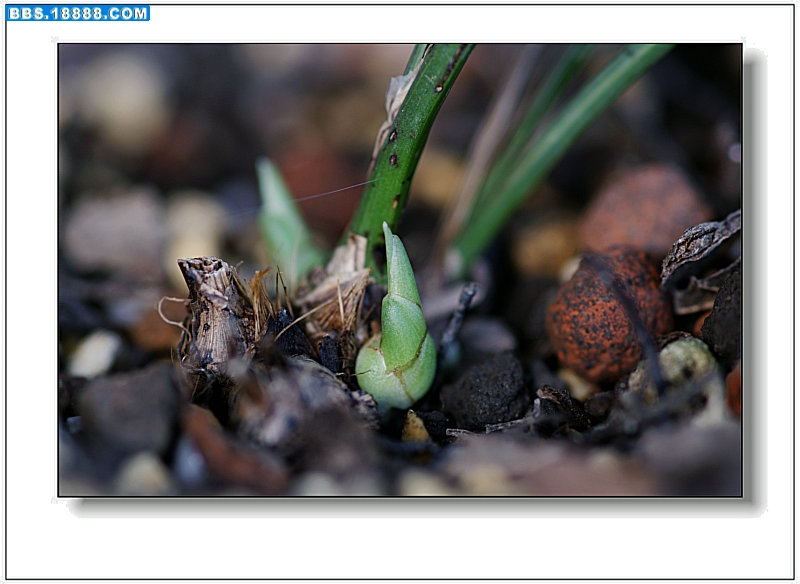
(283, 228)
(398, 364)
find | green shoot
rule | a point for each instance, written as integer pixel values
(283, 229)
(539, 159)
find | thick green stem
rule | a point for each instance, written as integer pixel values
(396, 159)
(417, 55)
(595, 97)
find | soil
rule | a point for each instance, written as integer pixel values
(510, 413)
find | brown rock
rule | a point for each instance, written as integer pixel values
(231, 461)
(153, 331)
(589, 324)
(646, 209)
(733, 392)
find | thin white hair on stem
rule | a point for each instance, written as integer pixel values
(250, 210)
(333, 192)
(180, 325)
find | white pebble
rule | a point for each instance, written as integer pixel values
(196, 225)
(95, 355)
(125, 97)
(419, 483)
(143, 474)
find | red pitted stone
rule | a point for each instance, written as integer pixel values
(645, 209)
(590, 327)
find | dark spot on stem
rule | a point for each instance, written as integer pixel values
(393, 135)
(393, 160)
(450, 66)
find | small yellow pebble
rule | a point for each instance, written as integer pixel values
(413, 429)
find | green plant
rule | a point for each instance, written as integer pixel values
(283, 230)
(398, 364)
(413, 102)
(520, 169)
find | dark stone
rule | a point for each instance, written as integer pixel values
(436, 423)
(695, 461)
(722, 330)
(68, 390)
(337, 443)
(549, 417)
(131, 412)
(490, 392)
(598, 406)
(573, 409)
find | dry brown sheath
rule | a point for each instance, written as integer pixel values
(225, 331)
(221, 322)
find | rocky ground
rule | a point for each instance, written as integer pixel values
(602, 356)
